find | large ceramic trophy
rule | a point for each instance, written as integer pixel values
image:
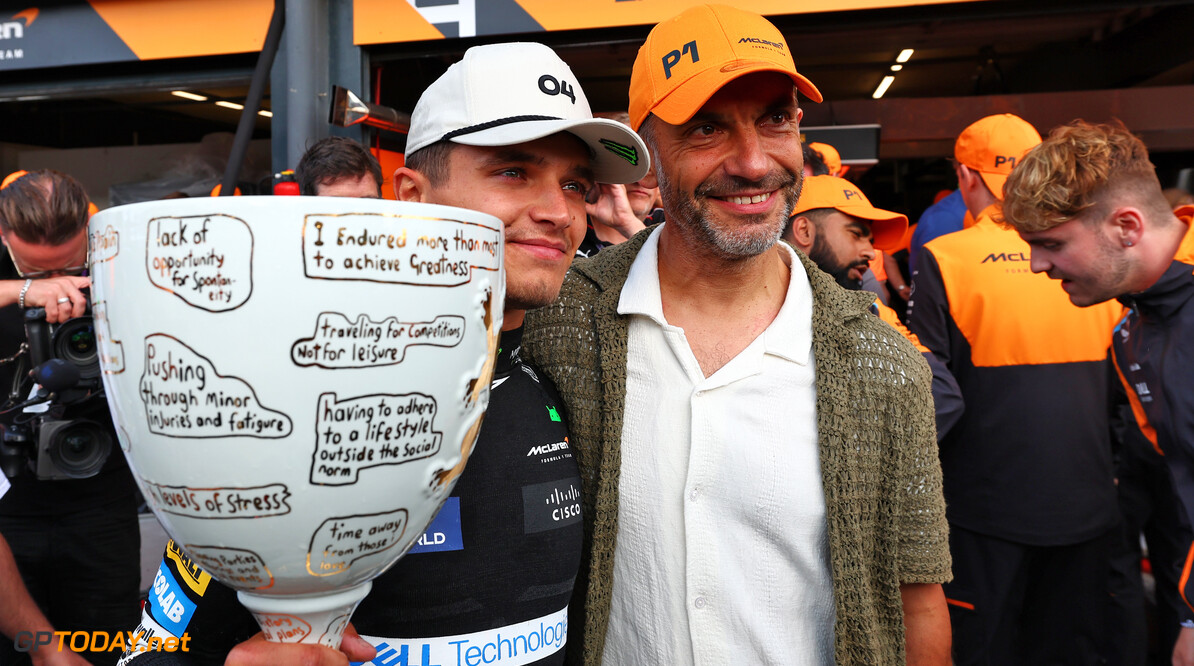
(297, 382)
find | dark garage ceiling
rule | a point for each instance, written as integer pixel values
(1043, 57)
(970, 59)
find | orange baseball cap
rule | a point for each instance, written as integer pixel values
(993, 146)
(887, 227)
(12, 177)
(689, 57)
(830, 157)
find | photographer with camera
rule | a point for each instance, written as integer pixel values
(70, 516)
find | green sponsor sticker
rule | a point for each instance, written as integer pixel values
(628, 153)
(555, 416)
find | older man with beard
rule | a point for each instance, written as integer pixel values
(760, 474)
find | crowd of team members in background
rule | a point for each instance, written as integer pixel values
(1056, 455)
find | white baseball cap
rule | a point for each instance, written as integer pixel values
(504, 94)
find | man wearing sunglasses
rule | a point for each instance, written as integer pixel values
(76, 541)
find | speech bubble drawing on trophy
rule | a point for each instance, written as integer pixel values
(298, 382)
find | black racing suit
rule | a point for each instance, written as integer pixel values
(488, 582)
(1155, 360)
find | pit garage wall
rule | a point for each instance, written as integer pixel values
(77, 32)
(390, 21)
(317, 41)
(928, 127)
(175, 165)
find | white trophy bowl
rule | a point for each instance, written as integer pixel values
(296, 382)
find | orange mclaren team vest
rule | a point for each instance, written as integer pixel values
(888, 315)
(1030, 458)
(1008, 314)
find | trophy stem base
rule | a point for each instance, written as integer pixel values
(305, 618)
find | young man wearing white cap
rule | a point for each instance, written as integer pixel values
(506, 131)
(761, 481)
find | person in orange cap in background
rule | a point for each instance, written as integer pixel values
(839, 230)
(1029, 484)
(885, 275)
(831, 158)
(761, 476)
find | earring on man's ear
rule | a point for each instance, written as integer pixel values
(1127, 243)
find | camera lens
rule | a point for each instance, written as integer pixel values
(74, 341)
(80, 449)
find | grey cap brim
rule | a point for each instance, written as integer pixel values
(619, 154)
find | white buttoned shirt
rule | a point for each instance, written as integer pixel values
(722, 552)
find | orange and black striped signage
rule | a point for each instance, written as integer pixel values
(386, 21)
(78, 32)
(58, 33)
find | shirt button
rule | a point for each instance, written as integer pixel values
(700, 602)
(692, 494)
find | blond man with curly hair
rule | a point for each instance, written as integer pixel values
(1089, 204)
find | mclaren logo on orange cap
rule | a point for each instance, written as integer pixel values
(756, 40)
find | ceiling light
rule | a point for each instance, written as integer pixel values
(883, 86)
(187, 95)
(904, 55)
(230, 105)
(896, 68)
(267, 114)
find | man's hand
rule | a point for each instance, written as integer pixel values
(49, 293)
(1183, 650)
(259, 652)
(613, 210)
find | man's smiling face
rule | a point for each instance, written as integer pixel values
(731, 175)
(538, 189)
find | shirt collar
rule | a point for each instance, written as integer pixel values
(640, 295)
(790, 334)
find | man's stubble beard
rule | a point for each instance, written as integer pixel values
(750, 239)
(1114, 276)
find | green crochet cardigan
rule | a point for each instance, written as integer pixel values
(875, 429)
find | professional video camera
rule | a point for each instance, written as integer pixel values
(53, 433)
